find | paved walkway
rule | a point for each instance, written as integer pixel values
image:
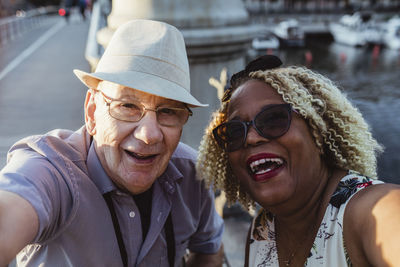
(234, 240)
(38, 90)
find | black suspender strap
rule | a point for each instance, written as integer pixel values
(169, 233)
(117, 230)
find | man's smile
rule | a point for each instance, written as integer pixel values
(141, 157)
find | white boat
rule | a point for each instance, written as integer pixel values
(289, 33)
(265, 41)
(356, 30)
(391, 33)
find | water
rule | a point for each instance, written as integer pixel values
(370, 78)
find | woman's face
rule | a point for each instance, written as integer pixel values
(278, 170)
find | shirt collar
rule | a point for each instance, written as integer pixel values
(97, 173)
(169, 178)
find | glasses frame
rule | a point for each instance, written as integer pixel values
(246, 124)
(108, 100)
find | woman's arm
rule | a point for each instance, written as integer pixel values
(372, 226)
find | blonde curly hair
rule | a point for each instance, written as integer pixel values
(338, 128)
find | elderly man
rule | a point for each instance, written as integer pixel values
(122, 190)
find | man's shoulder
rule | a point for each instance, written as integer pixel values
(184, 151)
(56, 153)
(70, 144)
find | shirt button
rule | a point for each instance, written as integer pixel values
(132, 214)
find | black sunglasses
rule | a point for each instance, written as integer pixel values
(271, 122)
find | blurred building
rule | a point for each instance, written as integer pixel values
(10, 7)
(261, 6)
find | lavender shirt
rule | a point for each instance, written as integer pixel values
(60, 175)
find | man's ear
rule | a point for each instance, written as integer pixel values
(90, 108)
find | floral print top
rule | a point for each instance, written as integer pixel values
(328, 248)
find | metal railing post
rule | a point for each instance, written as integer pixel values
(14, 26)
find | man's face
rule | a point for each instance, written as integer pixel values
(133, 154)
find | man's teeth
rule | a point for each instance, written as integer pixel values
(265, 165)
(139, 156)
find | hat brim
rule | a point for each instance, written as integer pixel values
(141, 81)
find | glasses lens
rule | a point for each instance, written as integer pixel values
(172, 116)
(126, 111)
(274, 121)
(230, 135)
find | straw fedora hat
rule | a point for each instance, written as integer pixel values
(146, 55)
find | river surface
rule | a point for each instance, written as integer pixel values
(370, 76)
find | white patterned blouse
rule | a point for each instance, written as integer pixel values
(328, 248)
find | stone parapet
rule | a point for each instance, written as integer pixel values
(180, 13)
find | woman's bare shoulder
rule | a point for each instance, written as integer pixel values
(372, 225)
(375, 197)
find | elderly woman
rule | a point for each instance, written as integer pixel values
(288, 139)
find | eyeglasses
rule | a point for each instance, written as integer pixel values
(133, 111)
(271, 122)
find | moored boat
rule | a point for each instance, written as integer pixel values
(358, 29)
(391, 33)
(289, 33)
(265, 41)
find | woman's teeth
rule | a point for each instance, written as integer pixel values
(265, 165)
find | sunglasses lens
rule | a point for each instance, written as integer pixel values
(271, 123)
(230, 135)
(274, 121)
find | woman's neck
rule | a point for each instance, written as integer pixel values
(301, 215)
(295, 232)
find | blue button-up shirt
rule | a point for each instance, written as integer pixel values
(61, 176)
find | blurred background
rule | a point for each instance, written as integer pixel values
(355, 43)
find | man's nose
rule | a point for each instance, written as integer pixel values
(147, 129)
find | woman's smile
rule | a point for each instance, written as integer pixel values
(264, 166)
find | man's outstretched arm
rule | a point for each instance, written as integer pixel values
(18, 225)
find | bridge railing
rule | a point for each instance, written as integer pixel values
(93, 51)
(14, 26)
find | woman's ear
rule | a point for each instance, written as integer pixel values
(90, 108)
